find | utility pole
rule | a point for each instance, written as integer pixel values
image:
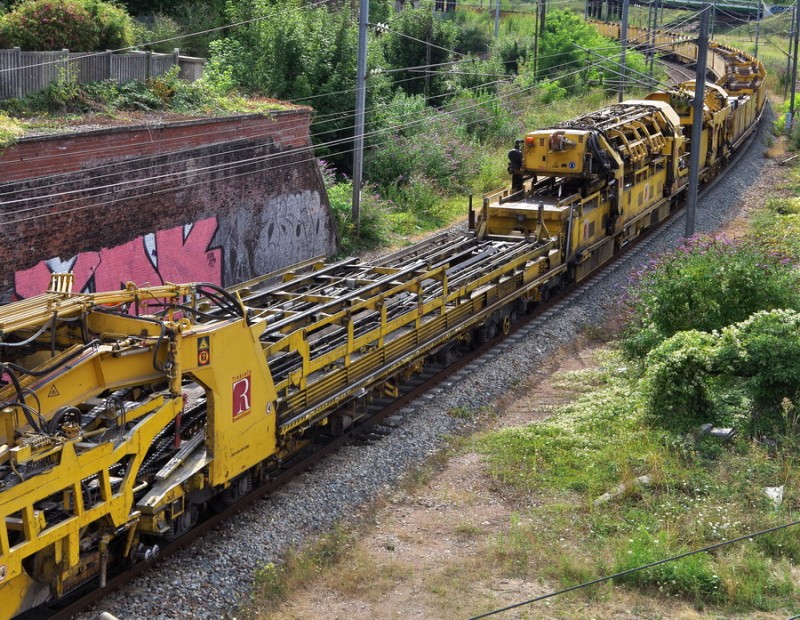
(361, 102)
(542, 16)
(789, 53)
(429, 51)
(623, 42)
(536, 41)
(758, 25)
(497, 19)
(794, 70)
(697, 120)
(652, 8)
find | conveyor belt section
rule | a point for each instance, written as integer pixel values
(336, 332)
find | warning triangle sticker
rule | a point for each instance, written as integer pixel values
(53, 392)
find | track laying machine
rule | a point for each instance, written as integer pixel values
(125, 415)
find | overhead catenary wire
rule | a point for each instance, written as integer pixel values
(276, 126)
(629, 571)
(147, 191)
(276, 155)
(240, 163)
(284, 154)
(334, 130)
(263, 17)
(316, 120)
(111, 189)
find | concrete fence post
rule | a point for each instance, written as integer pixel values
(16, 73)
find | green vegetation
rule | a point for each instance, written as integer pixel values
(10, 130)
(272, 581)
(166, 92)
(625, 468)
(706, 284)
(669, 493)
(431, 136)
(77, 25)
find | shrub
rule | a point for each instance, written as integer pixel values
(77, 25)
(157, 35)
(705, 284)
(373, 221)
(677, 380)
(430, 147)
(690, 372)
(768, 346)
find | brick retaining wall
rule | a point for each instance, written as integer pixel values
(219, 199)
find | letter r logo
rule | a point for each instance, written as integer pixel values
(241, 396)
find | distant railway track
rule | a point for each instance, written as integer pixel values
(677, 72)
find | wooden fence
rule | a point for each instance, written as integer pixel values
(24, 73)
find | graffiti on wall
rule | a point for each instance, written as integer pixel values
(285, 230)
(180, 254)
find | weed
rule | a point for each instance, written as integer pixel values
(462, 413)
(468, 530)
(270, 582)
(10, 130)
(511, 549)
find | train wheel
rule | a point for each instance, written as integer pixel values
(487, 331)
(448, 355)
(239, 487)
(183, 522)
(505, 325)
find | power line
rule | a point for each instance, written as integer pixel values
(276, 126)
(262, 158)
(251, 161)
(637, 569)
(317, 119)
(225, 167)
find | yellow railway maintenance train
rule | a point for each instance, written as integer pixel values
(125, 415)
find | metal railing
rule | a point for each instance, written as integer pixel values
(24, 73)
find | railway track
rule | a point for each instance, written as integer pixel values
(678, 73)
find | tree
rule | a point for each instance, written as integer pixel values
(77, 25)
(406, 47)
(308, 55)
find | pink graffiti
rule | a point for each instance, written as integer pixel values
(180, 254)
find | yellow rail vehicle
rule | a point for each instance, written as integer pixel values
(119, 427)
(125, 415)
(598, 180)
